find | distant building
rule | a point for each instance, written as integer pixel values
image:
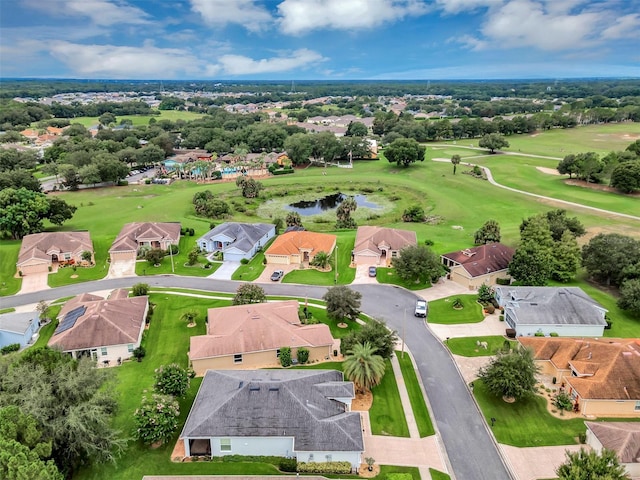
(475, 266)
(18, 328)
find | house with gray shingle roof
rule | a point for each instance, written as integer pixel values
(567, 311)
(302, 414)
(237, 240)
(18, 328)
(621, 437)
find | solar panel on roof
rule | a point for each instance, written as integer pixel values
(70, 319)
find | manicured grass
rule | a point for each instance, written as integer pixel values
(346, 275)
(526, 423)
(177, 291)
(9, 284)
(466, 346)
(390, 276)
(250, 271)
(67, 275)
(7, 310)
(442, 311)
(438, 475)
(386, 414)
(321, 366)
(336, 332)
(172, 115)
(418, 404)
(180, 266)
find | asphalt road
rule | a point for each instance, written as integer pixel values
(471, 451)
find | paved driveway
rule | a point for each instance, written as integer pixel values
(491, 325)
(225, 271)
(34, 282)
(537, 462)
(122, 268)
(362, 275)
(265, 276)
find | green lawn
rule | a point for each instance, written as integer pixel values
(180, 266)
(9, 250)
(466, 346)
(250, 271)
(442, 311)
(172, 115)
(418, 404)
(67, 275)
(346, 275)
(389, 276)
(438, 475)
(45, 333)
(526, 423)
(336, 331)
(387, 414)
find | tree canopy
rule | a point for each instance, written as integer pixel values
(374, 332)
(487, 233)
(417, 263)
(342, 302)
(404, 151)
(363, 367)
(493, 142)
(511, 374)
(249, 293)
(591, 465)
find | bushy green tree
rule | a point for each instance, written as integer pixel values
(155, 256)
(303, 355)
(485, 294)
(140, 289)
(591, 465)
(363, 367)
(630, 296)
(404, 152)
(293, 219)
(374, 332)
(342, 302)
(156, 419)
(566, 258)
(249, 186)
(172, 380)
(607, 256)
(417, 263)
(487, 233)
(531, 264)
(249, 293)
(493, 142)
(511, 375)
(415, 213)
(192, 256)
(298, 147)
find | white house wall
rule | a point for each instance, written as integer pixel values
(561, 330)
(276, 446)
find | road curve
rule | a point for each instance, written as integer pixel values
(472, 452)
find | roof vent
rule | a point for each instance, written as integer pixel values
(274, 389)
(241, 384)
(254, 388)
(533, 304)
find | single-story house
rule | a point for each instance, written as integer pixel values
(620, 437)
(602, 376)
(106, 330)
(475, 266)
(302, 414)
(134, 236)
(250, 336)
(39, 251)
(566, 311)
(379, 245)
(297, 248)
(237, 240)
(18, 328)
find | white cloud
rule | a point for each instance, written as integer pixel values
(459, 6)
(101, 12)
(112, 61)
(243, 12)
(626, 26)
(241, 65)
(301, 16)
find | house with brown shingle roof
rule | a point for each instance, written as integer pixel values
(299, 248)
(134, 236)
(602, 376)
(379, 245)
(39, 251)
(475, 266)
(105, 330)
(620, 437)
(250, 336)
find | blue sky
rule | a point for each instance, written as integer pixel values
(319, 39)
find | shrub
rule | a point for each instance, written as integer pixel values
(139, 353)
(582, 437)
(563, 402)
(553, 334)
(324, 467)
(503, 281)
(485, 294)
(155, 256)
(428, 243)
(457, 303)
(147, 181)
(244, 261)
(501, 317)
(192, 257)
(13, 347)
(140, 289)
(288, 464)
(122, 183)
(490, 309)
(172, 380)
(477, 171)
(173, 249)
(285, 356)
(608, 325)
(303, 355)
(539, 334)
(156, 419)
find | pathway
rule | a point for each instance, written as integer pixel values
(225, 270)
(491, 325)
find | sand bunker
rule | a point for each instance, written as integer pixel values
(550, 171)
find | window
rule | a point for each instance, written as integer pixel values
(278, 353)
(103, 351)
(637, 405)
(237, 358)
(225, 444)
(130, 348)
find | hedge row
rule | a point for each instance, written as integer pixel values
(324, 467)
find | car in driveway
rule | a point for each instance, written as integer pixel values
(373, 271)
(421, 309)
(277, 275)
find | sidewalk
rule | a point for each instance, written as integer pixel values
(423, 453)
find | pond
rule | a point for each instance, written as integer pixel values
(330, 202)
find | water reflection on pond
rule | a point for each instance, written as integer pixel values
(330, 202)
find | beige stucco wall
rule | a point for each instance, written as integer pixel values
(263, 359)
(366, 259)
(460, 276)
(609, 408)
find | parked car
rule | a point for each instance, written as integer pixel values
(373, 271)
(277, 275)
(421, 309)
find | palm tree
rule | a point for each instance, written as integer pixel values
(363, 367)
(189, 316)
(455, 160)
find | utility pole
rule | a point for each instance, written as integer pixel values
(404, 319)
